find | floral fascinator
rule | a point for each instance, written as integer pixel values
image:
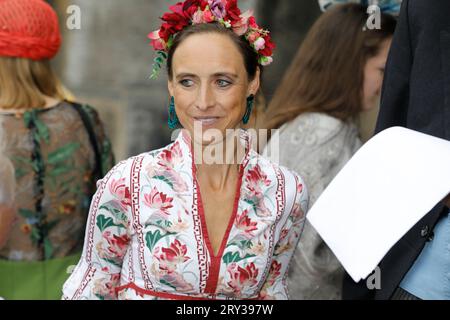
(225, 12)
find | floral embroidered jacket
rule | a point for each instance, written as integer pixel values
(147, 237)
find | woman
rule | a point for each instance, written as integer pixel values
(336, 75)
(56, 148)
(170, 225)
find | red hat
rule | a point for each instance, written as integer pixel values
(28, 29)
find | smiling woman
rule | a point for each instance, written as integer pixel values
(164, 224)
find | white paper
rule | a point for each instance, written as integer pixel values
(393, 181)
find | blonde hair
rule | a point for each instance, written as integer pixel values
(24, 83)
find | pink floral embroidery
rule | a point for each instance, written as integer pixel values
(118, 245)
(274, 272)
(165, 168)
(171, 257)
(169, 158)
(245, 225)
(297, 213)
(242, 277)
(256, 179)
(256, 182)
(120, 191)
(104, 288)
(158, 200)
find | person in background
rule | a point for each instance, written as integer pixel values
(7, 190)
(58, 149)
(416, 95)
(336, 74)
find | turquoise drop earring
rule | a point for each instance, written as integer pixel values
(248, 112)
(173, 121)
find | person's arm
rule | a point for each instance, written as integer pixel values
(275, 287)
(395, 92)
(108, 234)
(7, 217)
(7, 189)
(447, 201)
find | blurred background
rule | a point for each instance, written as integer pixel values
(108, 61)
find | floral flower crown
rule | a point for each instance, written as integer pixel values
(225, 12)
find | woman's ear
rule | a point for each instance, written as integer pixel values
(255, 83)
(170, 87)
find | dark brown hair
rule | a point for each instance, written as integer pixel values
(327, 74)
(249, 55)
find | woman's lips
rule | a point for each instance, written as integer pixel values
(206, 121)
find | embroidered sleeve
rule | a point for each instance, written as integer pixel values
(275, 287)
(106, 242)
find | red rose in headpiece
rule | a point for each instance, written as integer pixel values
(269, 46)
(233, 12)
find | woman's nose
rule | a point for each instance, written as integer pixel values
(205, 98)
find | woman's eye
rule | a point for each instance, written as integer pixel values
(187, 83)
(223, 83)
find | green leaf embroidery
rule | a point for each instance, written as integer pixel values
(49, 226)
(20, 172)
(58, 171)
(113, 262)
(27, 214)
(235, 257)
(35, 235)
(167, 284)
(42, 130)
(118, 214)
(103, 223)
(152, 238)
(62, 153)
(162, 178)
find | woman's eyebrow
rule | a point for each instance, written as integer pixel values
(225, 74)
(185, 74)
(215, 75)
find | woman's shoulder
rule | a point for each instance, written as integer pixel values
(314, 129)
(280, 175)
(136, 164)
(315, 121)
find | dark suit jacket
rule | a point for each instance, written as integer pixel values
(416, 95)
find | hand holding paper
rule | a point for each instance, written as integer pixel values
(393, 181)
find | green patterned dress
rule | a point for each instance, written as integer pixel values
(56, 167)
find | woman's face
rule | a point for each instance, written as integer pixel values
(210, 84)
(373, 76)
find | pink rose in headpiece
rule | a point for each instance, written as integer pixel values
(217, 8)
(241, 27)
(259, 44)
(208, 16)
(197, 18)
(253, 36)
(157, 42)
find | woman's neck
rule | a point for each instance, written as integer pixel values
(225, 166)
(49, 102)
